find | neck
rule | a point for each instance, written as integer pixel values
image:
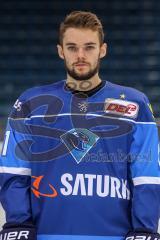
(83, 85)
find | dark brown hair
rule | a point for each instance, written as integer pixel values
(81, 19)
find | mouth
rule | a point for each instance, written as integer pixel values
(81, 65)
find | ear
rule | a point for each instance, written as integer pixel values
(60, 51)
(103, 50)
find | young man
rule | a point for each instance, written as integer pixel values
(80, 156)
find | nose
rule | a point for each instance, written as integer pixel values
(81, 53)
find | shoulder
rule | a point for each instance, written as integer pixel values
(129, 93)
(34, 98)
(41, 90)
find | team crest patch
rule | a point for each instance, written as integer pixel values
(79, 141)
(121, 107)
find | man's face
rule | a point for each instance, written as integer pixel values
(81, 52)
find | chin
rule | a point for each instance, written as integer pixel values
(82, 78)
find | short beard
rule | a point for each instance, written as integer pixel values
(84, 77)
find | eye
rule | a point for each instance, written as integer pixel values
(88, 48)
(72, 49)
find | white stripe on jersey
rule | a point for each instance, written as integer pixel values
(146, 180)
(16, 170)
(82, 114)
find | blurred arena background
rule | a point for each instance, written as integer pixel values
(29, 34)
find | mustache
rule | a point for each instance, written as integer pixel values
(80, 62)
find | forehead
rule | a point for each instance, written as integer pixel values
(80, 36)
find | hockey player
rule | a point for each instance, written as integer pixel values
(80, 156)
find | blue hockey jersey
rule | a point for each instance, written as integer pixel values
(81, 165)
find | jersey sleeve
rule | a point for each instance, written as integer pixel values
(145, 171)
(15, 174)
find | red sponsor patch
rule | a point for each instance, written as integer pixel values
(121, 107)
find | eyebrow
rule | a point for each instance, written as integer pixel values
(74, 44)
